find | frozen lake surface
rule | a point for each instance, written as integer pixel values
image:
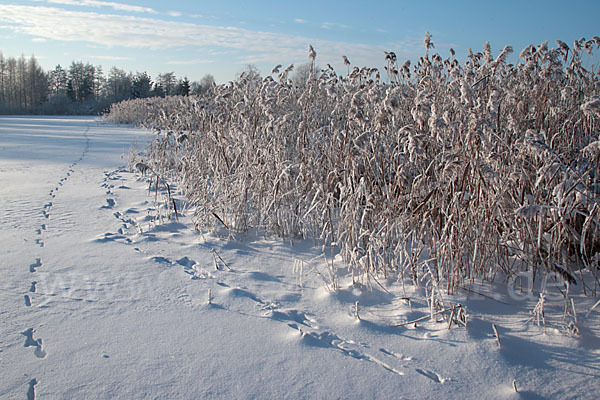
(104, 294)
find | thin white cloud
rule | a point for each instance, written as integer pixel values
(190, 62)
(156, 34)
(300, 21)
(175, 13)
(203, 16)
(333, 25)
(38, 40)
(111, 58)
(98, 4)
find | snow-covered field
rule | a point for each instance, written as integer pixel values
(101, 298)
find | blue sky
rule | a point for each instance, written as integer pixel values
(194, 38)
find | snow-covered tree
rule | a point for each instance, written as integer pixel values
(183, 87)
(57, 81)
(206, 83)
(80, 85)
(141, 85)
(118, 85)
(167, 82)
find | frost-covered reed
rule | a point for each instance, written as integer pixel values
(450, 170)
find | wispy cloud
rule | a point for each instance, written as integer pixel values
(98, 4)
(157, 34)
(190, 62)
(300, 21)
(111, 58)
(38, 40)
(175, 13)
(333, 25)
(203, 16)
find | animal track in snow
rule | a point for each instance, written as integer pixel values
(348, 348)
(112, 237)
(109, 187)
(398, 356)
(192, 268)
(31, 390)
(314, 336)
(431, 375)
(37, 343)
(110, 203)
(46, 209)
(263, 277)
(29, 338)
(186, 262)
(243, 293)
(36, 264)
(310, 331)
(292, 316)
(161, 260)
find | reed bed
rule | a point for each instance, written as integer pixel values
(448, 171)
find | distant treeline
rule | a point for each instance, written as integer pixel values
(25, 88)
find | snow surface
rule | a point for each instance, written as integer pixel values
(100, 298)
